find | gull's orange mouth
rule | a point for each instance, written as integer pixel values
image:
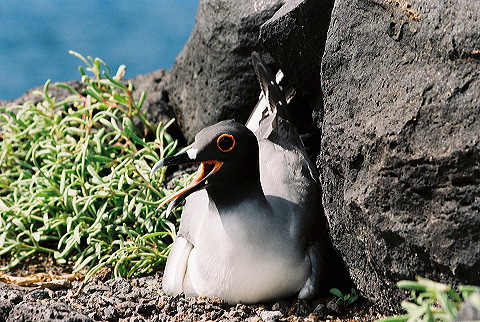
(205, 170)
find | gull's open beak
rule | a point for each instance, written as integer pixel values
(206, 169)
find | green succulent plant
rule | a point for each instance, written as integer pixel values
(74, 178)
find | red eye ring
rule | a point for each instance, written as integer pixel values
(226, 142)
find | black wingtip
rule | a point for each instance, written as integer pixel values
(269, 86)
(265, 78)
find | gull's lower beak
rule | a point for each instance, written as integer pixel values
(206, 169)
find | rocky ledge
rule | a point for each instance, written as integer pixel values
(141, 299)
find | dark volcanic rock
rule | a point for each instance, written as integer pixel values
(11, 293)
(38, 311)
(5, 308)
(157, 103)
(213, 79)
(400, 154)
(295, 36)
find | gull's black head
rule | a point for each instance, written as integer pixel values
(228, 142)
(228, 156)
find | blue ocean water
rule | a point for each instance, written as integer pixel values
(36, 35)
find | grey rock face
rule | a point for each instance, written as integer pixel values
(38, 311)
(156, 104)
(213, 79)
(400, 153)
(295, 36)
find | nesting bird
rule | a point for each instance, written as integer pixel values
(251, 229)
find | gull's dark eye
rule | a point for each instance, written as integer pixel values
(226, 142)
